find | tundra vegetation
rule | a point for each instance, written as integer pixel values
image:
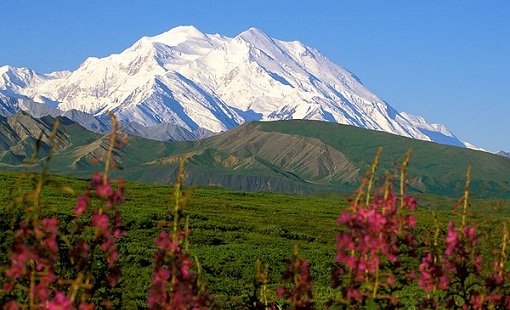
(70, 243)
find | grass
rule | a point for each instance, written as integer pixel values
(230, 230)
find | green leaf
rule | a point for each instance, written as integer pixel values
(371, 304)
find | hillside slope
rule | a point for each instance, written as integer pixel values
(286, 156)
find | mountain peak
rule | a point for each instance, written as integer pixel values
(252, 34)
(200, 81)
(178, 34)
(255, 30)
(186, 29)
(4, 69)
(14, 70)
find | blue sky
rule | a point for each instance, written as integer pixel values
(448, 61)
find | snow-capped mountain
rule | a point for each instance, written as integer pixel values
(211, 83)
(503, 153)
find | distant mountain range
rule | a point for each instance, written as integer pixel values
(298, 156)
(503, 153)
(185, 85)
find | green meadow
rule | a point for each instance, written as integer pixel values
(230, 230)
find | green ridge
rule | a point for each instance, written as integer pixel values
(295, 156)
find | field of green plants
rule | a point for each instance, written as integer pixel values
(231, 230)
(69, 243)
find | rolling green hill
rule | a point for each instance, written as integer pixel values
(286, 156)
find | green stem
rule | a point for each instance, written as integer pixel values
(466, 196)
(372, 174)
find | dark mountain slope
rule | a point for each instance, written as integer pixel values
(289, 156)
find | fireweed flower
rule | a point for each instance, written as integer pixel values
(456, 272)
(495, 291)
(81, 205)
(106, 220)
(60, 302)
(432, 274)
(32, 259)
(453, 278)
(38, 260)
(298, 291)
(371, 239)
(41, 271)
(174, 285)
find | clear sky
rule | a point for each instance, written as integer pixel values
(448, 61)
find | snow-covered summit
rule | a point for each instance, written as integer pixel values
(209, 81)
(179, 34)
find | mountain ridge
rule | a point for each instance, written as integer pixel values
(297, 156)
(212, 82)
(503, 153)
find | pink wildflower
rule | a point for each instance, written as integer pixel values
(60, 302)
(81, 205)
